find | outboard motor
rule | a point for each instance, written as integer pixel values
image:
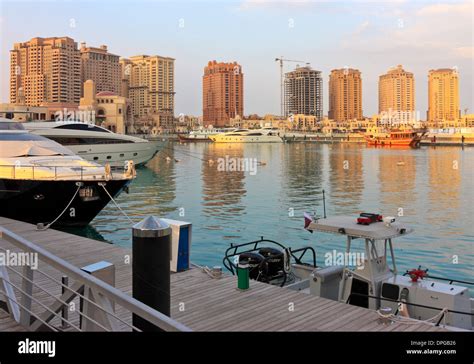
(275, 260)
(258, 267)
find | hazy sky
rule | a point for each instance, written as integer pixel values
(371, 36)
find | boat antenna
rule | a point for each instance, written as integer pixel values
(324, 204)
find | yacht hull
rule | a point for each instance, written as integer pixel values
(194, 138)
(117, 154)
(43, 201)
(246, 139)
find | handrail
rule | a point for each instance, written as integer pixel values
(74, 172)
(144, 311)
(233, 251)
(444, 279)
(59, 299)
(406, 303)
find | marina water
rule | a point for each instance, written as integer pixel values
(431, 189)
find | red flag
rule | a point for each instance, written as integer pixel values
(308, 219)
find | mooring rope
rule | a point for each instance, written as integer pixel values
(214, 274)
(412, 321)
(115, 203)
(61, 214)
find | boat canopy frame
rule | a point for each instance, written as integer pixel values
(253, 246)
(348, 226)
(376, 231)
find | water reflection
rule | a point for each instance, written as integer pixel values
(235, 206)
(444, 170)
(222, 190)
(153, 192)
(397, 179)
(346, 177)
(302, 179)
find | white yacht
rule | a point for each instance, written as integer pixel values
(96, 143)
(264, 135)
(202, 134)
(43, 182)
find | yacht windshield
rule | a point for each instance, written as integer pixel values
(29, 145)
(11, 125)
(88, 127)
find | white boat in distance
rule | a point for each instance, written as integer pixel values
(264, 135)
(95, 143)
(202, 134)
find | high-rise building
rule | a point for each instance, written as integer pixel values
(102, 67)
(304, 92)
(443, 95)
(222, 93)
(396, 91)
(46, 70)
(150, 84)
(345, 94)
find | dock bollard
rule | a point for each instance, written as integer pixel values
(151, 267)
(243, 280)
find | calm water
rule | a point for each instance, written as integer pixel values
(434, 187)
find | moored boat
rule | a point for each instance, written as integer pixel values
(394, 138)
(264, 135)
(43, 182)
(95, 143)
(202, 135)
(364, 276)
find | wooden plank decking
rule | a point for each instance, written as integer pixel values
(199, 301)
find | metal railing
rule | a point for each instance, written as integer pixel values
(356, 294)
(45, 303)
(43, 172)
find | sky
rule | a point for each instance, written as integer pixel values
(371, 36)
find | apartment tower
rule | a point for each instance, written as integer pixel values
(222, 93)
(443, 95)
(304, 92)
(45, 70)
(102, 67)
(396, 91)
(345, 94)
(149, 82)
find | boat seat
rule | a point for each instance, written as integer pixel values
(330, 273)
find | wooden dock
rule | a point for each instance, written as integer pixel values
(203, 303)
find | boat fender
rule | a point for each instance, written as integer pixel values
(287, 260)
(108, 171)
(131, 171)
(402, 307)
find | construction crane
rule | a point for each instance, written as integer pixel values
(282, 91)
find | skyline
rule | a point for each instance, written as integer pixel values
(296, 32)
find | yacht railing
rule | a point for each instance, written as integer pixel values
(54, 295)
(58, 172)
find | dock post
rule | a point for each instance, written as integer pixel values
(151, 267)
(64, 310)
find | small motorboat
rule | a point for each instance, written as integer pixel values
(374, 282)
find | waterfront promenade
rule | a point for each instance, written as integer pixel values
(198, 301)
